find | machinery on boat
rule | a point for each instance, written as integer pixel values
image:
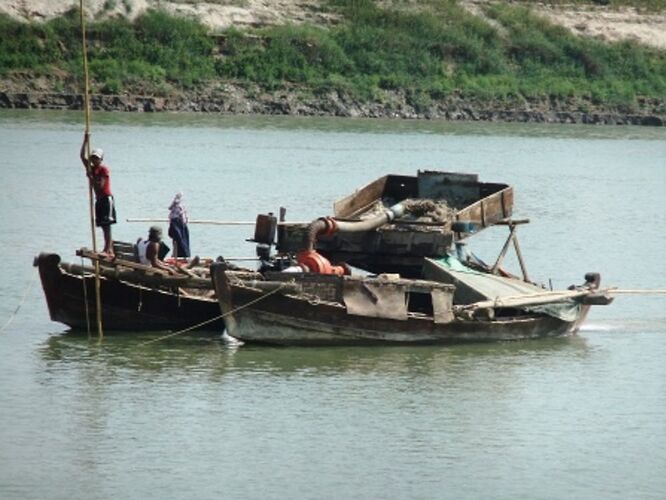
(417, 284)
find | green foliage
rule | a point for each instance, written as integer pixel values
(425, 50)
(301, 54)
(550, 60)
(36, 46)
(155, 47)
(143, 55)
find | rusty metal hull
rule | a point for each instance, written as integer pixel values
(125, 306)
(284, 319)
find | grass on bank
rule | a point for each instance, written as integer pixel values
(157, 52)
(427, 53)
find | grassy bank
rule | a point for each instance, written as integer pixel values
(427, 52)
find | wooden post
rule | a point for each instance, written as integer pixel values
(502, 254)
(520, 258)
(86, 104)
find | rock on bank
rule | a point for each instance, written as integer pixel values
(232, 99)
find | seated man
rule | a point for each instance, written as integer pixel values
(149, 251)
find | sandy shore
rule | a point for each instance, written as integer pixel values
(594, 21)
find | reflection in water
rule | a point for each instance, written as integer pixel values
(216, 357)
(122, 418)
(136, 352)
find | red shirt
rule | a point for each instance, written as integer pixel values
(102, 171)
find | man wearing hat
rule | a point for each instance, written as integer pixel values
(148, 251)
(105, 209)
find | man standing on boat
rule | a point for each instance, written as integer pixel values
(99, 175)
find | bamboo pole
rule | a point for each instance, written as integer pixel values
(547, 297)
(86, 105)
(211, 222)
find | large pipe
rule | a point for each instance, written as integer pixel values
(329, 225)
(313, 261)
(371, 223)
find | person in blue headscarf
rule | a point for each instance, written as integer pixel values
(178, 230)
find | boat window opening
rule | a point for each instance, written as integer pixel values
(419, 303)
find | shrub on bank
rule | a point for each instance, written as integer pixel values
(142, 55)
(426, 52)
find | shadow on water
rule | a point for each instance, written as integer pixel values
(152, 353)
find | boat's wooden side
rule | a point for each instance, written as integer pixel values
(291, 319)
(125, 306)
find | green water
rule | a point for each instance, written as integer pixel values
(193, 417)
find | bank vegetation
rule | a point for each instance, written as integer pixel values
(427, 53)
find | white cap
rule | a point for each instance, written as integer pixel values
(98, 153)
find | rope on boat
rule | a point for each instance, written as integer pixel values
(208, 321)
(211, 222)
(18, 308)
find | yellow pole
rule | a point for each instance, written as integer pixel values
(86, 104)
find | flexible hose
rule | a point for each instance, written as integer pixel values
(330, 226)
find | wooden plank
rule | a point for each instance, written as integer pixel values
(89, 254)
(361, 199)
(502, 253)
(529, 299)
(140, 278)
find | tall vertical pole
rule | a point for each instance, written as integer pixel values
(86, 104)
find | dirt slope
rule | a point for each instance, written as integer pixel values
(599, 22)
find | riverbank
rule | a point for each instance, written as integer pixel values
(236, 100)
(472, 60)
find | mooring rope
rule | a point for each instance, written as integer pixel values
(252, 302)
(18, 308)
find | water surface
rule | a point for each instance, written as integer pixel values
(192, 417)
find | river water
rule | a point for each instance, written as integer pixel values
(193, 417)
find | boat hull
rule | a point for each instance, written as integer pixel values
(280, 329)
(125, 306)
(282, 319)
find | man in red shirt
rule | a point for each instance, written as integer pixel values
(105, 209)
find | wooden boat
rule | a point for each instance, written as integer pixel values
(317, 309)
(415, 295)
(134, 297)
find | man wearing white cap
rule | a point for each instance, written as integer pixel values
(99, 175)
